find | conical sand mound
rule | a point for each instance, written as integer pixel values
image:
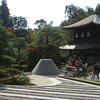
(46, 67)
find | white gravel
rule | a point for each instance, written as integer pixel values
(41, 80)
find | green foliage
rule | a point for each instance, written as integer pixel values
(30, 37)
(3, 73)
(40, 23)
(3, 38)
(14, 66)
(7, 50)
(43, 52)
(34, 55)
(23, 56)
(9, 72)
(21, 32)
(70, 10)
(11, 50)
(43, 42)
(76, 14)
(63, 23)
(13, 72)
(97, 10)
(3, 43)
(21, 80)
(13, 77)
(4, 15)
(19, 42)
(8, 60)
(17, 81)
(90, 10)
(23, 67)
(19, 22)
(48, 35)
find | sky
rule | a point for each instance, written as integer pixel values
(49, 10)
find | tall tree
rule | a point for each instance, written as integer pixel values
(3, 40)
(20, 44)
(70, 10)
(19, 22)
(5, 58)
(40, 23)
(97, 10)
(90, 10)
(4, 13)
(75, 13)
(48, 35)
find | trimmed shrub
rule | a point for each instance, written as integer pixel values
(3, 73)
(20, 80)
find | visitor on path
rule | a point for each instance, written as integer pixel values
(84, 72)
(79, 67)
(80, 70)
(96, 70)
(73, 63)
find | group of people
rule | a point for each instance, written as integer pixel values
(81, 68)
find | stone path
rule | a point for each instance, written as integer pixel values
(67, 90)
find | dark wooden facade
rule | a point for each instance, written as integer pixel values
(87, 35)
(86, 38)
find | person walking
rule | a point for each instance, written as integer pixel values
(96, 70)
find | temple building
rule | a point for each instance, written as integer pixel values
(86, 41)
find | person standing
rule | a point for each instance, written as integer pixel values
(73, 63)
(96, 70)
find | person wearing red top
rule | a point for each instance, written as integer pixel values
(73, 64)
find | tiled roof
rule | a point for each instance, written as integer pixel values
(94, 19)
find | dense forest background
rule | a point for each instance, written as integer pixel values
(21, 47)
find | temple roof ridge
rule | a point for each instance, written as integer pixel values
(95, 19)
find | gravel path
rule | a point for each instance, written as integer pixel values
(66, 90)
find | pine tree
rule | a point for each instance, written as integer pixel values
(4, 13)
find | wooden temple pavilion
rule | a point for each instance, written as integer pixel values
(86, 40)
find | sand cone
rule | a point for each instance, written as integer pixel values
(46, 67)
